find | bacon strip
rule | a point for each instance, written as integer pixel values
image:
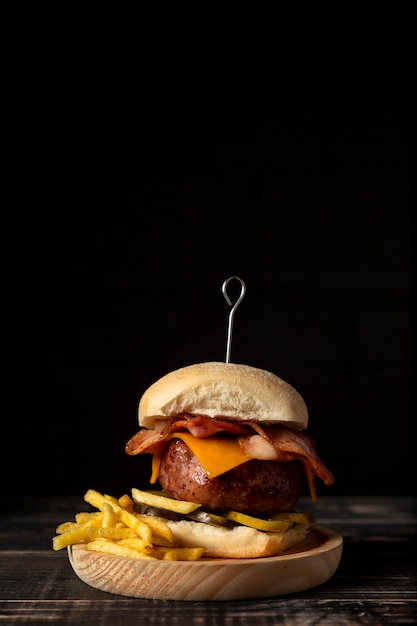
(293, 443)
(144, 441)
(199, 426)
(202, 426)
(258, 447)
(277, 443)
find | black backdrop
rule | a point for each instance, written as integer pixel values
(289, 168)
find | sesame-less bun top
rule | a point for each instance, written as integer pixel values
(228, 390)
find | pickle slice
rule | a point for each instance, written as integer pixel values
(209, 518)
(274, 526)
(296, 518)
(154, 511)
(163, 502)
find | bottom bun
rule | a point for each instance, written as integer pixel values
(240, 542)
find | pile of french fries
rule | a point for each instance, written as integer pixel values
(115, 528)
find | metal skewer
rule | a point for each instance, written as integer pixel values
(232, 310)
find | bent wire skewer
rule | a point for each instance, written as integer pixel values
(232, 311)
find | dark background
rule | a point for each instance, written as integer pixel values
(290, 168)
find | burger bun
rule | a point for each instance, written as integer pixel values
(240, 542)
(223, 390)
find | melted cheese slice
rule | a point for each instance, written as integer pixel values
(217, 455)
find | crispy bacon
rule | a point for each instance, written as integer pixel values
(200, 426)
(290, 443)
(258, 447)
(145, 440)
(277, 443)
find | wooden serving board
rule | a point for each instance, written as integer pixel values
(314, 562)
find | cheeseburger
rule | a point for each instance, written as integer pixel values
(229, 437)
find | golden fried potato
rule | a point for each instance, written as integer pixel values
(111, 547)
(126, 503)
(163, 502)
(129, 519)
(177, 554)
(117, 529)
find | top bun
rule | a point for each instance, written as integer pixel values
(229, 390)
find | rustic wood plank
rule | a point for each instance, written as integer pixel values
(294, 611)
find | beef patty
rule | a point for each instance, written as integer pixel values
(255, 487)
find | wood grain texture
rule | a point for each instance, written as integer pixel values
(312, 564)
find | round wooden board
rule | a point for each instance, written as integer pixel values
(314, 562)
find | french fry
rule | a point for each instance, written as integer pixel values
(109, 516)
(65, 527)
(111, 499)
(117, 529)
(77, 535)
(157, 540)
(89, 516)
(142, 529)
(163, 502)
(109, 547)
(111, 533)
(126, 503)
(158, 527)
(95, 498)
(177, 554)
(98, 500)
(136, 543)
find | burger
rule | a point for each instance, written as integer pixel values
(230, 437)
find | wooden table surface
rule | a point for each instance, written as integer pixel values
(375, 583)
